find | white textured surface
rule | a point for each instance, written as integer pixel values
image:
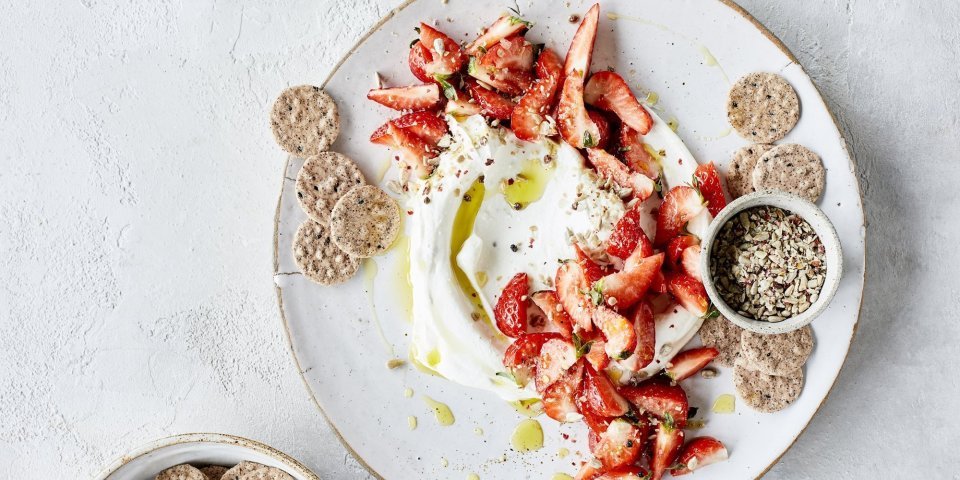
(138, 186)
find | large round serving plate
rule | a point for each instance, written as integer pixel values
(687, 52)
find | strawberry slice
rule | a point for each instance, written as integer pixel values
(417, 59)
(414, 97)
(608, 91)
(511, 53)
(646, 328)
(659, 283)
(510, 311)
(626, 472)
(445, 55)
(578, 58)
(424, 124)
(627, 235)
(629, 285)
(689, 293)
(599, 395)
(690, 259)
(558, 398)
(414, 151)
(521, 356)
(689, 362)
(603, 126)
(573, 121)
(698, 453)
(621, 338)
(548, 302)
(529, 116)
(571, 285)
(491, 103)
(591, 270)
(509, 82)
(677, 245)
(620, 445)
(556, 356)
(504, 27)
(609, 167)
(635, 155)
(597, 356)
(462, 105)
(666, 447)
(679, 205)
(590, 470)
(660, 400)
(707, 180)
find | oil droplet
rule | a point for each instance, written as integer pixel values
(418, 364)
(695, 424)
(478, 431)
(444, 463)
(462, 229)
(528, 436)
(563, 452)
(708, 58)
(612, 16)
(673, 123)
(615, 375)
(408, 392)
(412, 422)
(440, 411)
(473, 476)
(404, 289)
(482, 278)
(561, 476)
(528, 408)
(370, 270)
(529, 184)
(652, 99)
(725, 403)
(433, 358)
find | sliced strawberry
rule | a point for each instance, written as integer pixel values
(603, 126)
(609, 167)
(414, 97)
(504, 27)
(679, 205)
(621, 338)
(509, 82)
(597, 356)
(689, 293)
(608, 91)
(461, 106)
(510, 311)
(635, 154)
(445, 55)
(659, 399)
(593, 469)
(596, 423)
(512, 53)
(529, 116)
(559, 402)
(646, 328)
(600, 396)
(677, 245)
(620, 445)
(414, 151)
(629, 285)
(526, 349)
(556, 356)
(424, 124)
(627, 472)
(659, 283)
(573, 121)
(627, 235)
(708, 181)
(578, 58)
(571, 285)
(548, 302)
(698, 453)
(591, 270)
(666, 447)
(491, 103)
(689, 362)
(690, 259)
(417, 59)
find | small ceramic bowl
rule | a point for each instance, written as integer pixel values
(200, 449)
(823, 228)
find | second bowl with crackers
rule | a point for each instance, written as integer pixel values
(772, 262)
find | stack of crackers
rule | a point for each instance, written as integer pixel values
(240, 471)
(348, 219)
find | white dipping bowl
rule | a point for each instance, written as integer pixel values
(823, 228)
(200, 449)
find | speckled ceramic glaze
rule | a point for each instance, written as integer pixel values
(686, 51)
(823, 228)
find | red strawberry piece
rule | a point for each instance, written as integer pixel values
(677, 245)
(573, 121)
(531, 111)
(646, 328)
(626, 472)
(445, 55)
(491, 103)
(659, 284)
(603, 126)
(559, 402)
(424, 124)
(581, 47)
(524, 351)
(627, 235)
(708, 181)
(679, 205)
(666, 447)
(621, 338)
(513, 53)
(571, 285)
(635, 154)
(508, 82)
(610, 167)
(690, 259)
(596, 423)
(698, 453)
(462, 105)
(510, 311)
(558, 317)
(689, 362)
(660, 400)
(608, 91)
(504, 27)
(590, 470)
(597, 356)
(629, 285)
(556, 356)
(591, 270)
(600, 396)
(414, 151)
(620, 445)
(689, 293)
(414, 97)
(417, 59)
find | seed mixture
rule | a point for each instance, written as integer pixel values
(768, 264)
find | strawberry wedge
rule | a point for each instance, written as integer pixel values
(690, 260)
(689, 362)
(445, 55)
(426, 125)
(679, 205)
(666, 448)
(635, 154)
(707, 180)
(599, 395)
(556, 356)
(510, 311)
(698, 453)
(660, 400)
(504, 27)
(608, 166)
(558, 317)
(491, 103)
(629, 285)
(621, 338)
(414, 97)
(414, 151)
(608, 91)
(620, 445)
(571, 287)
(689, 293)
(573, 121)
(559, 402)
(645, 327)
(528, 120)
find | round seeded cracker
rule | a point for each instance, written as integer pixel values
(319, 258)
(322, 180)
(238, 470)
(304, 120)
(740, 171)
(766, 393)
(365, 221)
(777, 354)
(181, 472)
(265, 473)
(724, 335)
(214, 472)
(791, 168)
(763, 107)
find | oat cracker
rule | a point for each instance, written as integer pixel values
(322, 180)
(265, 473)
(304, 120)
(214, 472)
(240, 469)
(763, 107)
(778, 354)
(181, 472)
(740, 171)
(319, 258)
(724, 335)
(365, 222)
(766, 393)
(791, 168)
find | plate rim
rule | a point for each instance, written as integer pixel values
(733, 5)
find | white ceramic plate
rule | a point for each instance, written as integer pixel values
(687, 51)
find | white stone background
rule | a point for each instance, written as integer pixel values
(137, 194)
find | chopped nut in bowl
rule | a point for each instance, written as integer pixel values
(772, 262)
